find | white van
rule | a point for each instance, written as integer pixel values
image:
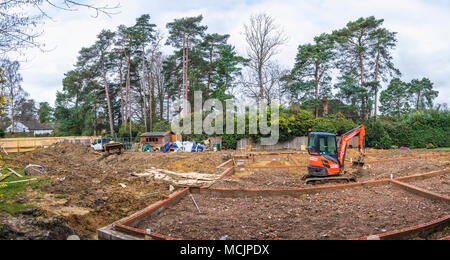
(99, 144)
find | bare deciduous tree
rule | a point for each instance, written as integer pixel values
(152, 52)
(18, 29)
(272, 83)
(13, 89)
(264, 38)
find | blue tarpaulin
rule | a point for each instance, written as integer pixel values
(184, 146)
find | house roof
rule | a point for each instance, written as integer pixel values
(36, 125)
(156, 134)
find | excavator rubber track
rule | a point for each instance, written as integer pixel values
(315, 180)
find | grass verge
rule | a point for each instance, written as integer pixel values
(10, 194)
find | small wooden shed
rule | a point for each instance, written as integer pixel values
(159, 139)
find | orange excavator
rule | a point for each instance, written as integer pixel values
(327, 159)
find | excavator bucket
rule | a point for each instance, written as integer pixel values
(360, 162)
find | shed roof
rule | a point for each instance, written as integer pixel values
(156, 134)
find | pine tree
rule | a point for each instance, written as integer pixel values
(423, 92)
(395, 99)
(185, 33)
(228, 68)
(354, 51)
(382, 66)
(211, 45)
(143, 32)
(103, 47)
(311, 73)
(45, 112)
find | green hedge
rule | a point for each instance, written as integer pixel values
(416, 130)
(293, 123)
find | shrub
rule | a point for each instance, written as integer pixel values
(136, 130)
(230, 141)
(161, 126)
(415, 130)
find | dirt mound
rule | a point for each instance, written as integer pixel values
(177, 162)
(90, 191)
(85, 190)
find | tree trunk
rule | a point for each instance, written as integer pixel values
(13, 122)
(131, 132)
(150, 86)
(377, 68)
(108, 100)
(161, 105)
(121, 93)
(168, 107)
(418, 101)
(143, 106)
(361, 65)
(364, 101)
(95, 120)
(261, 85)
(210, 72)
(143, 87)
(186, 88)
(127, 94)
(316, 76)
(184, 71)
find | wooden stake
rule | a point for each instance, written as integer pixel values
(18, 175)
(12, 182)
(192, 197)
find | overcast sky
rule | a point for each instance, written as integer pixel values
(423, 32)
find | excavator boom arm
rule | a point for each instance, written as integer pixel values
(345, 139)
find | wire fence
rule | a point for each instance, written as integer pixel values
(126, 143)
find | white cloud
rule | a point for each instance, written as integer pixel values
(423, 32)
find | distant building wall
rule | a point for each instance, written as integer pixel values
(18, 128)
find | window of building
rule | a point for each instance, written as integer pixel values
(152, 140)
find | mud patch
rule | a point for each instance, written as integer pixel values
(35, 228)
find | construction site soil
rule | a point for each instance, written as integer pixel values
(340, 214)
(289, 178)
(438, 184)
(88, 190)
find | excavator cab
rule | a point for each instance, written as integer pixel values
(323, 149)
(322, 144)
